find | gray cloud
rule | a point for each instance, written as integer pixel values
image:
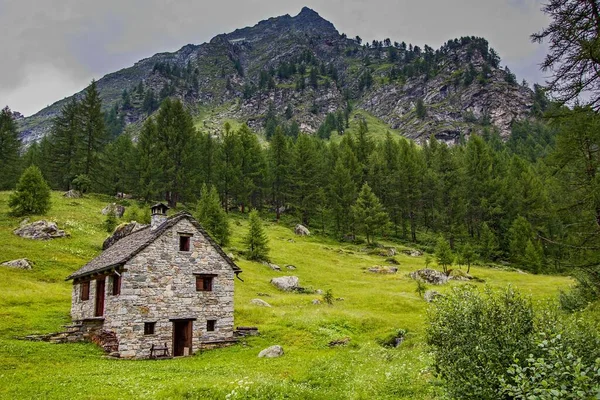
(53, 49)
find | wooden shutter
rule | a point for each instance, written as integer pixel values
(85, 291)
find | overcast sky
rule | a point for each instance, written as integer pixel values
(52, 49)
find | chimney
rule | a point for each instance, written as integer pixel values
(159, 215)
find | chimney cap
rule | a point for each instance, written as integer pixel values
(159, 208)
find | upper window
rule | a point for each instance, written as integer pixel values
(204, 283)
(116, 285)
(84, 293)
(184, 243)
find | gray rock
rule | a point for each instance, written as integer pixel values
(40, 230)
(271, 352)
(301, 230)
(430, 276)
(260, 303)
(316, 301)
(290, 267)
(413, 252)
(115, 208)
(21, 263)
(379, 269)
(274, 267)
(73, 194)
(286, 283)
(431, 295)
(319, 291)
(120, 232)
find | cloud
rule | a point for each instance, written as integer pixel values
(53, 49)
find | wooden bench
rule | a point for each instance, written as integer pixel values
(159, 351)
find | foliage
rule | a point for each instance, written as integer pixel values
(32, 194)
(369, 212)
(443, 254)
(110, 223)
(328, 297)
(212, 216)
(9, 149)
(256, 240)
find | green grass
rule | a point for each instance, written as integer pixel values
(374, 306)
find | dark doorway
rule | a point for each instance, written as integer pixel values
(182, 337)
(99, 298)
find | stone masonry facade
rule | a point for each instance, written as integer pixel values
(158, 285)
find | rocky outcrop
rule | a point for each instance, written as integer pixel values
(117, 209)
(286, 283)
(430, 276)
(21, 263)
(379, 269)
(120, 232)
(271, 352)
(40, 230)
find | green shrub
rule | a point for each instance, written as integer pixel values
(110, 223)
(32, 194)
(475, 338)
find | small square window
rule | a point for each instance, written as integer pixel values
(149, 328)
(204, 283)
(116, 285)
(210, 325)
(85, 291)
(184, 243)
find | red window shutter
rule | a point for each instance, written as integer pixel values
(116, 281)
(85, 290)
(199, 284)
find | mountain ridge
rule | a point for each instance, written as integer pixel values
(460, 84)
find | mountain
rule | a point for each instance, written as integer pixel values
(301, 68)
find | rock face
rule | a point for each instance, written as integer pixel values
(120, 232)
(40, 230)
(260, 303)
(430, 276)
(271, 352)
(117, 209)
(21, 263)
(301, 230)
(286, 283)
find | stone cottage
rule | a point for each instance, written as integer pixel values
(165, 285)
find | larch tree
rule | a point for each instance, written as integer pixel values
(32, 194)
(9, 149)
(369, 214)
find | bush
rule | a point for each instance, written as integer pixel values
(32, 194)
(475, 338)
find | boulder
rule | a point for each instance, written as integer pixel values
(316, 301)
(339, 342)
(413, 252)
(73, 194)
(115, 208)
(379, 269)
(431, 295)
(40, 230)
(430, 276)
(290, 267)
(286, 283)
(120, 232)
(301, 230)
(271, 352)
(121, 195)
(260, 303)
(274, 267)
(21, 263)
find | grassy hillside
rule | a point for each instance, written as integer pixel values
(373, 307)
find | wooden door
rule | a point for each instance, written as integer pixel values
(99, 298)
(182, 338)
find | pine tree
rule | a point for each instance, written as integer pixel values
(468, 255)
(9, 149)
(65, 136)
(252, 168)
(488, 243)
(369, 213)
(32, 194)
(342, 195)
(212, 216)
(256, 240)
(147, 162)
(305, 177)
(229, 166)
(279, 167)
(420, 109)
(94, 136)
(443, 254)
(519, 234)
(532, 258)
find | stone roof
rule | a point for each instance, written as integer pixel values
(126, 248)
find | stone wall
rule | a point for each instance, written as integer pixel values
(159, 285)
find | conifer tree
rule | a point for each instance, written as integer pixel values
(443, 254)
(9, 149)
(342, 195)
(212, 216)
(519, 234)
(305, 177)
(65, 136)
(532, 258)
(93, 138)
(32, 194)
(147, 162)
(252, 168)
(229, 166)
(468, 255)
(256, 240)
(369, 213)
(488, 243)
(279, 166)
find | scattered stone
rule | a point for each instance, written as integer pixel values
(340, 299)
(318, 291)
(391, 251)
(115, 208)
(120, 232)
(458, 275)
(431, 295)
(301, 230)
(260, 303)
(73, 194)
(339, 342)
(274, 267)
(242, 331)
(392, 260)
(21, 263)
(430, 276)
(413, 252)
(379, 269)
(286, 283)
(121, 195)
(39, 230)
(263, 294)
(290, 267)
(348, 238)
(316, 301)
(271, 352)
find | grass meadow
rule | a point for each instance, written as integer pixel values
(373, 307)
